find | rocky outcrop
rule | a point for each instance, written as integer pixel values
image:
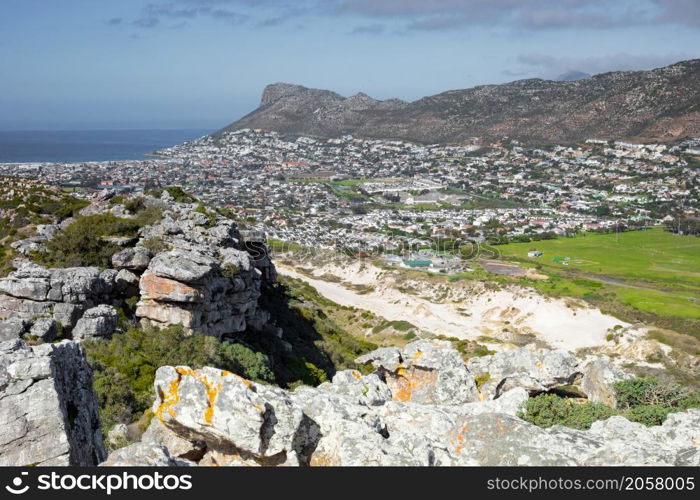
(209, 281)
(100, 321)
(133, 259)
(191, 268)
(47, 406)
(599, 379)
(35, 300)
(213, 417)
(429, 372)
(529, 367)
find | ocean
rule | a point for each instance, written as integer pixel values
(88, 145)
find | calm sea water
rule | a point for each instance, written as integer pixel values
(92, 145)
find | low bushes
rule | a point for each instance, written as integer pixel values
(646, 400)
(124, 366)
(547, 410)
(83, 243)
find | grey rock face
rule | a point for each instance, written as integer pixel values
(100, 321)
(33, 292)
(44, 329)
(212, 417)
(528, 367)
(599, 378)
(179, 265)
(134, 259)
(208, 282)
(427, 371)
(12, 328)
(47, 406)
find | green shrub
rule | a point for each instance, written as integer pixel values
(648, 414)
(211, 216)
(650, 391)
(134, 204)
(547, 410)
(176, 192)
(482, 379)
(124, 366)
(241, 359)
(82, 242)
(646, 400)
(155, 245)
(230, 270)
(307, 372)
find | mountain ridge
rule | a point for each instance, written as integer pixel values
(662, 105)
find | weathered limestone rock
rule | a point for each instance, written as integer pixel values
(367, 389)
(133, 259)
(118, 435)
(127, 283)
(100, 321)
(219, 406)
(427, 371)
(32, 292)
(212, 417)
(47, 406)
(181, 265)
(44, 329)
(528, 367)
(167, 290)
(177, 446)
(12, 328)
(210, 281)
(599, 378)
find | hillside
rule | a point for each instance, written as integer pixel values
(658, 105)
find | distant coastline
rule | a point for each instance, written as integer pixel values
(72, 146)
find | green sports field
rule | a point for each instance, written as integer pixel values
(652, 271)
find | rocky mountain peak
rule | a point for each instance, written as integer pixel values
(657, 105)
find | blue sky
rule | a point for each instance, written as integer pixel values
(86, 64)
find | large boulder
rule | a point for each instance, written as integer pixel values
(217, 406)
(44, 329)
(48, 406)
(180, 265)
(12, 328)
(100, 321)
(427, 371)
(529, 367)
(133, 259)
(599, 379)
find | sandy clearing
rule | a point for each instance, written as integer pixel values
(551, 320)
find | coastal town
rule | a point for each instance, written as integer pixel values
(364, 195)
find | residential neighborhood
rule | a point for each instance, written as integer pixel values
(391, 196)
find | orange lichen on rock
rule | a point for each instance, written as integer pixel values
(157, 288)
(403, 383)
(170, 398)
(356, 374)
(211, 389)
